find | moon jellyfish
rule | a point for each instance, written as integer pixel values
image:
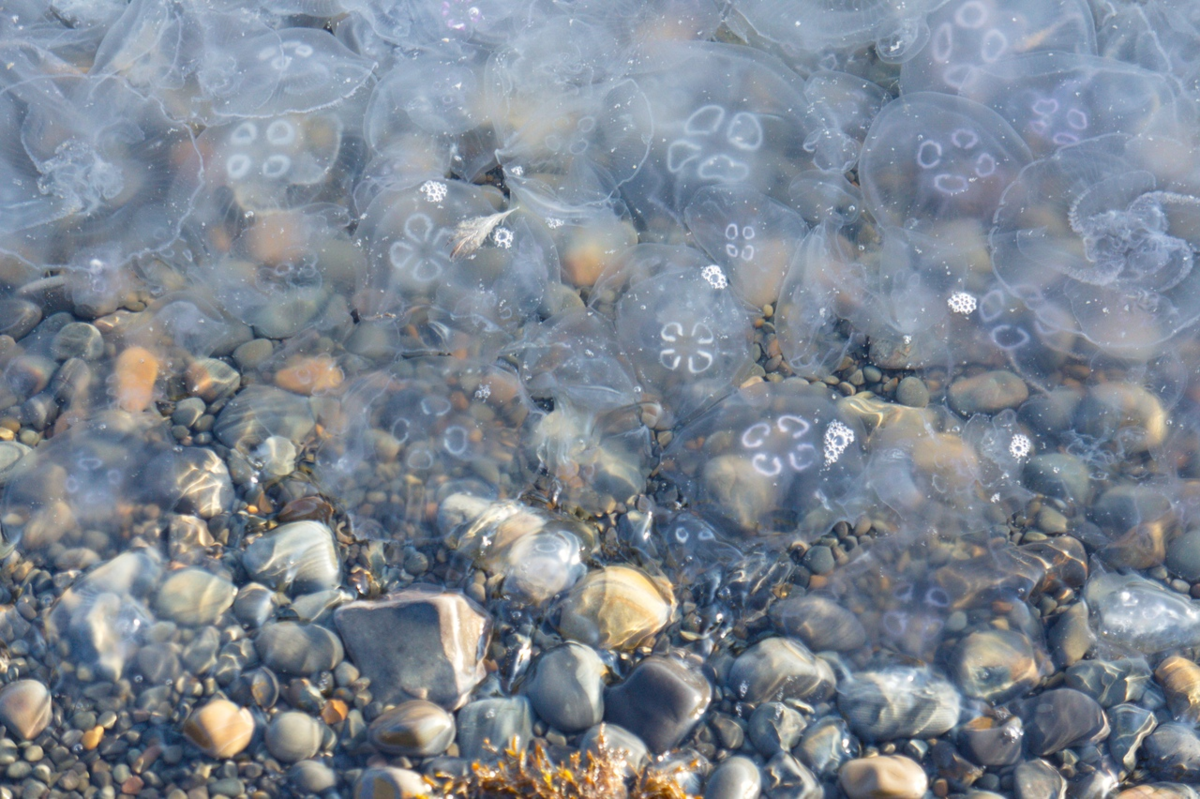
(772, 458)
(1099, 239)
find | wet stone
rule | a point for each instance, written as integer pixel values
(299, 557)
(900, 702)
(1183, 556)
(1058, 475)
(1180, 681)
(821, 623)
(995, 665)
(312, 776)
(775, 727)
(615, 739)
(826, 745)
(1110, 682)
(489, 726)
(1130, 726)
(785, 777)
(390, 783)
(220, 728)
(417, 644)
(18, 317)
(11, 453)
(1061, 718)
(254, 604)
(567, 688)
(990, 744)
(1172, 751)
(1071, 637)
(885, 777)
(1037, 779)
(194, 596)
(77, 340)
(295, 648)
(989, 392)
(913, 392)
(211, 379)
(25, 708)
(736, 778)
(660, 701)
(415, 728)
(779, 668)
(293, 736)
(617, 607)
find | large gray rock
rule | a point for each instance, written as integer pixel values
(660, 702)
(417, 644)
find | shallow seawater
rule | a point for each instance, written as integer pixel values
(556, 398)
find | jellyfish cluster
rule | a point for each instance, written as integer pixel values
(674, 321)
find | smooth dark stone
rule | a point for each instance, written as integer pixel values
(660, 701)
(1062, 718)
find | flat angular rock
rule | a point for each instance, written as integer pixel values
(417, 644)
(1062, 718)
(660, 702)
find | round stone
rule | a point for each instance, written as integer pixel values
(618, 607)
(885, 777)
(779, 668)
(1172, 751)
(1037, 779)
(489, 726)
(1059, 476)
(822, 624)
(77, 340)
(312, 777)
(995, 665)
(194, 597)
(290, 647)
(1061, 718)
(989, 392)
(220, 729)
(900, 702)
(660, 701)
(1183, 556)
(18, 317)
(736, 778)
(293, 736)
(567, 688)
(415, 728)
(912, 392)
(25, 708)
(300, 557)
(391, 783)
(1180, 681)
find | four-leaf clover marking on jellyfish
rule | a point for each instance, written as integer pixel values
(422, 251)
(714, 149)
(689, 348)
(788, 430)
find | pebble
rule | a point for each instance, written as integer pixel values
(1130, 726)
(312, 777)
(884, 777)
(1058, 475)
(25, 708)
(900, 702)
(826, 745)
(310, 375)
(1172, 751)
(299, 557)
(1037, 779)
(779, 668)
(1110, 682)
(11, 454)
(736, 777)
(194, 597)
(293, 736)
(1071, 637)
(1180, 681)
(200, 479)
(995, 665)
(487, 727)
(785, 777)
(618, 607)
(820, 623)
(391, 783)
(254, 604)
(258, 412)
(775, 727)
(220, 729)
(660, 701)
(77, 340)
(1183, 556)
(615, 739)
(990, 392)
(912, 391)
(296, 648)
(417, 644)
(134, 375)
(415, 728)
(1061, 718)
(1125, 413)
(18, 317)
(989, 743)
(211, 379)
(567, 687)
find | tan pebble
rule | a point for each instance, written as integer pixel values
(135, 373)
(887, 777)
(91, 739)
(1180, 679)
(618, 607)
(132, 785)
(220, 729)
(25, 708)
(335, 711)
(310, 375)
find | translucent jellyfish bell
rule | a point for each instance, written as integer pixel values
(573, 357)
(1056, 99)
(970, 33)
(931, 159)
(687, 335)
(87, 174)
(1098, 239)
(809, 25)
(840, 113)
(430, 92)
(770, 458)
(749, 235)
(424, 423)
(721, 116)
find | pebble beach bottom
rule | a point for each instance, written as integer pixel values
(599, 399)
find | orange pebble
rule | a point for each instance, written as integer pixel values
(309, 375)
(136, 371)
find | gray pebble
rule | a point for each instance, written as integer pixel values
(819, 559)
(1130, 726)
(300, 557)
(312, 776)
(294, 648)
(822, 624)
(785, 777)
(1172, 751)
(188, 411)
(18, 317)
(1061, 718)
(912, 392)
(194, 596)
(736, 778)
(1037, 779)
(989, 392)
(826, 745)
(488, 726)
(775, 727)
(1071, 637)
(779, 668)
(415, 728)
(77, 340)
(567, 688)
(1183, 556)
(293, 736)
(254, 604)
(1058, 475)
(660, 701)
(899, 702)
